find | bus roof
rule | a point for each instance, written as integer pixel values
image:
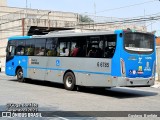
(19, 37)
(70, 33)
(66, 33)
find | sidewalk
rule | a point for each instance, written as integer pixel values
(2, 73)
(157, 84)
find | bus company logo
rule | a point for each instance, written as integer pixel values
(57, 62)
(140, 70)
(147, 68)
(132, 72)
(148, 58)
(6, 114)
(140, 60)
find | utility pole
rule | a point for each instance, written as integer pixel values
(26, 4)
(94, 14)
(26, 7)
(144, 16)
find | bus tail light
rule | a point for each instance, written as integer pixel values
(122, 66)
(127, 79)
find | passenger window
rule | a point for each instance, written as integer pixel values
(51, 47)
(40, 47)
(78, 47)
(74, 49)
(29, 48)
(95, 47)
(110, 46)
(64, 47)
(20, 49)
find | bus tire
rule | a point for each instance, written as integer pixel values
(19, 74)
(69, 81)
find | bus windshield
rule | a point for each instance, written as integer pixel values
(139, 43)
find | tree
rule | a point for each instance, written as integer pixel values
(85, 19)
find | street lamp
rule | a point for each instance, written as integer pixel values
(44, 14)
(47, 18)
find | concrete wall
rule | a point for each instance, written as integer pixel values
(111, 27)
(6, 30)
(10, 13)
(3, 2)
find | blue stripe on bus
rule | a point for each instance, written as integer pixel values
(79, 71)
(19, 37)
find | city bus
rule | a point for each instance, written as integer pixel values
(120, 58)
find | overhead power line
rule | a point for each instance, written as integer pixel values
(127, 6)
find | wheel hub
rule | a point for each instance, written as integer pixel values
(69, 81)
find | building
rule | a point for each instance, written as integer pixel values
(21, 21)
(3, 3)
(158, 57)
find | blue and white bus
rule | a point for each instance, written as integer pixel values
(97, 59)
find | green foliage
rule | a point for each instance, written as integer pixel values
(85, 19)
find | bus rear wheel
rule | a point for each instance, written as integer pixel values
(20, 77)
(69, 81)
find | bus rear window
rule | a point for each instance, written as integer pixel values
(139, 43)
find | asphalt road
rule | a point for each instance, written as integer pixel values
(53, 97)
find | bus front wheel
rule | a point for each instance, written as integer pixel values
(20, 77)
(69, 81)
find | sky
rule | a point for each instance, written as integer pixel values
(106, 8)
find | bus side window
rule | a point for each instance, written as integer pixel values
(64, 52)
(30, 51)
(64, 48)
(40, 47)
(110, 45)
(29, 48)
(20, 50)
(51, 47)
(75, 50)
